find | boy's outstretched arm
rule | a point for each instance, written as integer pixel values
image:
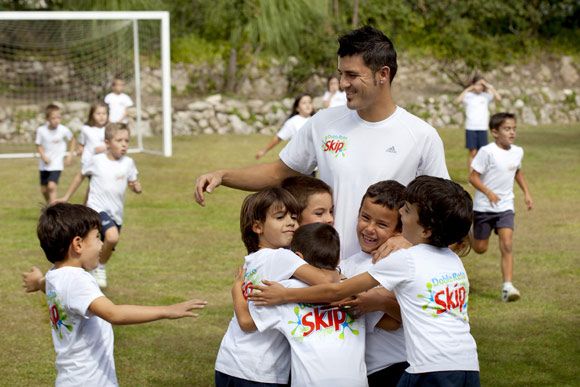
(392, 244)
(315, 276)
(135, 186)
(460, 97)
(74, 185)
(245, 320)
(378, 299)
(475, 180)
(33, 280)
(136, 314)
(521, 180)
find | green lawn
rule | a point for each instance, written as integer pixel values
(172, 249)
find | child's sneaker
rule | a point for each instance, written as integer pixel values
(100, 274)
(510, 293)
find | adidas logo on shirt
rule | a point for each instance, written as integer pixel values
(391, 149)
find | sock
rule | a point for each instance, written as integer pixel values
(507, 285)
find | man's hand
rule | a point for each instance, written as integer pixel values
(394, 243)
(206, 183)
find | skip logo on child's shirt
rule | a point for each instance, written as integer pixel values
(335, 144)
(57, 314)
(313, 320)
(447, 294)
(251, 278)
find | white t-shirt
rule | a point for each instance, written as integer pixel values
(351, 154)
(291, 127)
(498, 169)
(109, 180)
(383, 348)
(82, 341)
(91, 137)
(118, 104)
(477, 110)
(327, 346)
(259, 356)
(337, 99)
(432, 288)
(54, 143)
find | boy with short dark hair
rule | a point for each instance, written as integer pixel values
(314, 198)
(494, 169)
(80, 315)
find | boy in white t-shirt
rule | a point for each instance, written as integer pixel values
(327, 344)
(80, 315)
(110, 172)
(118, 102)
(51, 143)
(314, 199)
(429, 281)
(494, 169)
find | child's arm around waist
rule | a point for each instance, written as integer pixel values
(241, 309)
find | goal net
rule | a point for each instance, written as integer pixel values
(70, 59)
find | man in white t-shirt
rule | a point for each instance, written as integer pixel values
(368, 140)
(118, 102)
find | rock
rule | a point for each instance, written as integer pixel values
(199, 106)
(528, 116)
(519, 104)
(568, 72)
(214, 99)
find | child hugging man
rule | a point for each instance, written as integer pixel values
(327, 345)
(51, 141)
(314, 199)
(80, 315)
(494, 169)
(118, 102)
(429, 282)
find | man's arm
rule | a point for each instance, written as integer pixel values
(251, 178)
(521, 180)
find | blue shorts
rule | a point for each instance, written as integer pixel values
(46, 176)
(484, 222)
(388, 377)
(441, 379)
(106, 223)
(225, 380)
(475, 139)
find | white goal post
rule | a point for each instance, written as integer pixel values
(131, 20)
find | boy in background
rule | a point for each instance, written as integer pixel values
(314, 199)
(51, 141)
(494, 169)
(118, 102)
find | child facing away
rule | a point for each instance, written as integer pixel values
(118, 102)
(494, 169)
(333, 96)
(429, 281)
(378, 220)
(267, 224)
(51, 144)
(302, 110)
(327, 345)
(314, 199)
(80, 315)
(110, 172)
(476, 99)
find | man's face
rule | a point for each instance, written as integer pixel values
(358, 81)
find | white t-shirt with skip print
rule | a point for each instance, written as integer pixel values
(259, 356)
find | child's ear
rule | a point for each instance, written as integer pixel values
(298, 253)
(76, 246)
(258, 228)
(426, 233)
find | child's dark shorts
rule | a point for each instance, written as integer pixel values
(225, 380)
(46, 176)
(388, 377)
(106, 223)
(475, 139)
(484, 222)
(441, 379)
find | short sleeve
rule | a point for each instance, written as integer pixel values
(283, 265)
(300, 153)
(394, 270)
(480, 162)
(433, 158)
(128, 101)
(287, 130)
(82, 137)
(265, 317)
(133, 172)
(108, 99)
(38, 140)
(67, 133)
(489, 97)
(88, 168)
(326, 96)
(82, 292)
(467, 98)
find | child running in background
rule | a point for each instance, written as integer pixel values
(314, 199)
(327, 345)
(91, 141)
(494, 169)
(302, 110)
(118, 102)
(429, 281)
(110, 172)
(333, 96)
(80, 314)
(476, 99)
(267, 224)
(378, 220)
(51, 142)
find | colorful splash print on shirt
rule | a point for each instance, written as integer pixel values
(447, 294)
(57, 314)
(312, 319)
(335, 144)
(251, 278)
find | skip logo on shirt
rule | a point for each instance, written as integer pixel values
(335, 144)
(250, 278)
(313, 320)
(57, 314)
(447, 294)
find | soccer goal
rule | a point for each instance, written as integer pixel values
(71, 59)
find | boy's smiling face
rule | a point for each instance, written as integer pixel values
(376, 223)
(320, 209)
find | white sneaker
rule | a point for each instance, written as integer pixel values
(100, 274)
(509, 294)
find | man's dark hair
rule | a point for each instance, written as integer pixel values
(59, 224)
(498, 118)
(319, 244)
(255, 209)
(303, 187)
(376, 48)
(389, 194)
(444, 208)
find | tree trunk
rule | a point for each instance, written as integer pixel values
(335, 9)
(232, 67)
(355, 14)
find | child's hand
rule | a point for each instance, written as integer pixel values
(184, 309)
(394, 243)
(31, 280)
(68, 160)
(271, 293)
(135, 186)
(529, 202)
(493, 198)
(59, 200)
(259, 154)
(45, 159)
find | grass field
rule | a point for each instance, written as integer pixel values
(172, 249)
